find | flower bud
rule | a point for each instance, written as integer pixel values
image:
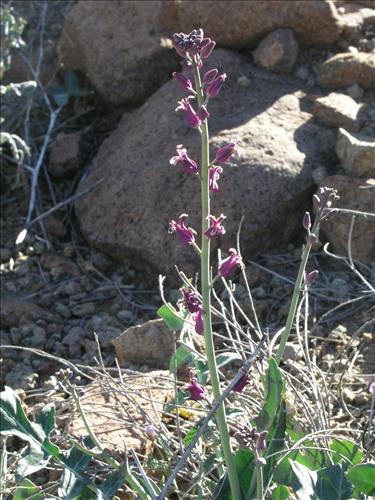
(242, 383)
(197, 391)
(261, 444)
(213, 89)
(199, 325)
(311, 277)
(316, 202)
(311, 238)
(207, 49)
(306, 221)
(225, 152)
(210, 76)
(203, 113)
(228, 265)
(183, 82)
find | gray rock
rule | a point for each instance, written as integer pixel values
(135, 33)
(64, 154)
(356, 153)
(270, 183)
(15, 335)
(85, 309)
(75, 340)
(125, 315)
(62, 310)
(39, 337)
(278, 51)
(347, 69)
(355, 194)
(339, 110)
(22, 376)
(72, 288)
(150, 343)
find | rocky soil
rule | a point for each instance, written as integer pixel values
(300, 95)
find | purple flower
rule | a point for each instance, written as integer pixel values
(197, 391)
(306, 222)
(207, 48)
(191, 300)
(192, 118)
(185, 233)
(242, 383)
(311, 277)
(189, 165)
(199, 325)
(213, 176)
(150, 430)
(225, 152)
(213, 89)
(311, 238)
(183, 82)
(261, 444)
(371, 387)
(203, 113)
(227, 265)
(215, 228)
(210, 76)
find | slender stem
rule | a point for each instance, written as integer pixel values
(259, 471)
(206, 303)
(293, 304)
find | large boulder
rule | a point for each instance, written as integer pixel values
(347, 69)
(355, 194)
(123, 46)
(128, 213)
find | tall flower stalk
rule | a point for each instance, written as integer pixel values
(194, 48)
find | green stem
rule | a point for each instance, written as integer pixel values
(206, 303)
(294, 303)
(259, 470)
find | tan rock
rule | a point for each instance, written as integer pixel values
(356, 153)
(348, 68)
(120, 412)
(64, 155)
(150, 343)
(278, 51)
(339, 110)
(123, 46)
(354, 17)
(269, 183)
(355, 194)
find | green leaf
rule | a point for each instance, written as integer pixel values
(324, 484)
(363, 478)
(113, 482)
(244, 460)
(71, 83)
(275, 392)
(35, 459)
(26, 490)
(190, 436)
(14, 422)
(226, 357)
(47, 418)
(183, 355)
(60, 94)
(76, 460)
(344, 451)
(281, 492)
(169, 314)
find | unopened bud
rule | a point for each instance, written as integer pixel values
(330, 214)
(316, 202)
(203, 113)
(311, 277)
(207, 49)
(311, 238)
(262, 443)
(260, 461)
(306, 222)
(210, 76)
